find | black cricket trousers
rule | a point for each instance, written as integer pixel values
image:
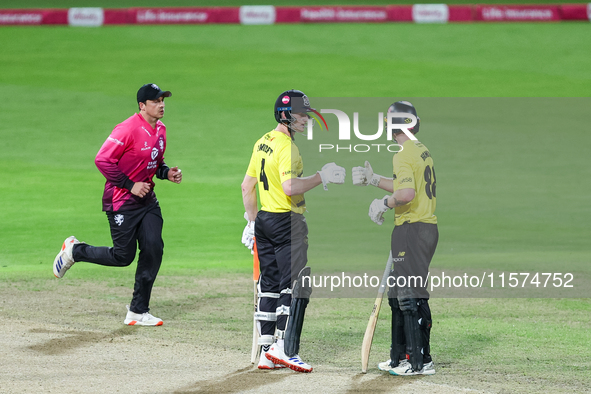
(129, 229)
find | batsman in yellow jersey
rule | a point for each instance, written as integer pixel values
(413, 243)
(281, 232)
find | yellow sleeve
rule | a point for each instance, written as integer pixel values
(403, 173)
(284, 163)
(251, 171)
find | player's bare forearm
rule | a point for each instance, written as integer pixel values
(296, 186)
(401, 197)
(386, 184)
(249, 196)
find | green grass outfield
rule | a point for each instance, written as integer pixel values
(505, 196)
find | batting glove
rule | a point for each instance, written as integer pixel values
(331, 173)
(248, 234)
(363, 176)
(377, 209)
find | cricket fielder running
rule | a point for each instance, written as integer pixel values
(281, 231)
(413, 244)
(129, 159)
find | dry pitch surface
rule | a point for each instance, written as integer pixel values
(67, 336)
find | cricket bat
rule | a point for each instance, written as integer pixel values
(255, 331)
(373, 318)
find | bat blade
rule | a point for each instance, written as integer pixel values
(255, 331)
(373, 318)
(369, 332)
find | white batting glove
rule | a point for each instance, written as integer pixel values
(363, 176)
(377, 209)
(331, 173)
(248, 234)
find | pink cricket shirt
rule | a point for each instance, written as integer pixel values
(132, 153)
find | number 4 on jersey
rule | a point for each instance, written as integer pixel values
(263, 176)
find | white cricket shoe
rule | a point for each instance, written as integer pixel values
(265, 363)
(428, 369)
(277, 355)
(387, 365)
(64, 260)
(141, 319)
(405, 369)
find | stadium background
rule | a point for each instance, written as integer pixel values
(65, 88)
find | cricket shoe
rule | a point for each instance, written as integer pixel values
(265, 363)
(405, 369)
(64, 260)
(386, 366)
(277, 356)
(141, 319)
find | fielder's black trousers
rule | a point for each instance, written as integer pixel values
(129, 229)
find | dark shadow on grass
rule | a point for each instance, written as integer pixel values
(382, 383)
(74, 339)
(248, 378)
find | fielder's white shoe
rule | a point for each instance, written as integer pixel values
(265, 363)
(295, 363)
(405, 369)
(141, 319)
(64, 260)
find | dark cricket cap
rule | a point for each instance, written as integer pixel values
(151, 91)
(403, 106)
(291, 101)
(407, 108)
(294, 101)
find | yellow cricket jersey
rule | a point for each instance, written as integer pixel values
(413, 168)
(275, 159)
